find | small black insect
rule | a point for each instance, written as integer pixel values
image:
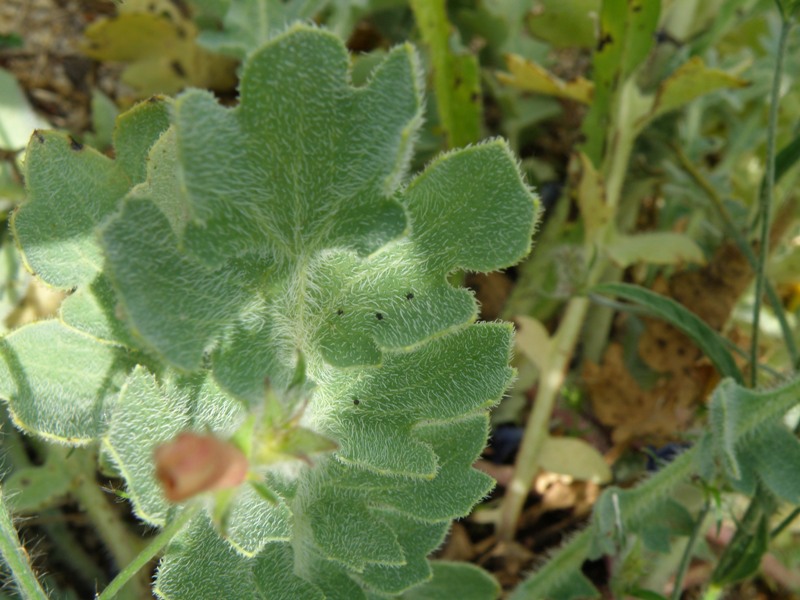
(178, 69)
(74, 144)
(409, 296)
(379, 316)
(340, 312)
(356, 401)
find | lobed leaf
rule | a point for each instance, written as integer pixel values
(200, 565)
(72, 189)
(284, 236)
(58, 382)
(148, 414)
(455, 580)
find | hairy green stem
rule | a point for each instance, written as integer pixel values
(14, 456)
(677, 590)
(744, 248)
(614, 168)
(149, 552)
(117, 537)
(641, 505)
(765, 199)
(760, 503)
(16, 558)
(559, 567)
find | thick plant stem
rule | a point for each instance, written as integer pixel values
(148, 553)
(536, 431)
(16, 558)
(765, 199)
(641, 506)
(622, 136)
(559, 567)
(120, 541)
(552, 377)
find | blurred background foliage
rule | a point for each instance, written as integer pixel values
(649, 156)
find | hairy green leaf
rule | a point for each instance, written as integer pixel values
(200, 565)
(147, 415)
(58, 240)
(456, 580)
(32, 489)
(58, 382)
(738, 415)
(280, 239)
(72, 188)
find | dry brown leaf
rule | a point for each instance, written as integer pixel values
(458, 545)
(656, 415)
(662, 413)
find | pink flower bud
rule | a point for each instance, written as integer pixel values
(193, 463)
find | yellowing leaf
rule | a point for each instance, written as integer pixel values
(533, 340)
(660, 248)
(161, 51)
(565, 23)
(529, 76)
(690, 81)
(574, 457)
(456, 73)
(591, 195)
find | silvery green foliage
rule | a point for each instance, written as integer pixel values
(283, 238)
